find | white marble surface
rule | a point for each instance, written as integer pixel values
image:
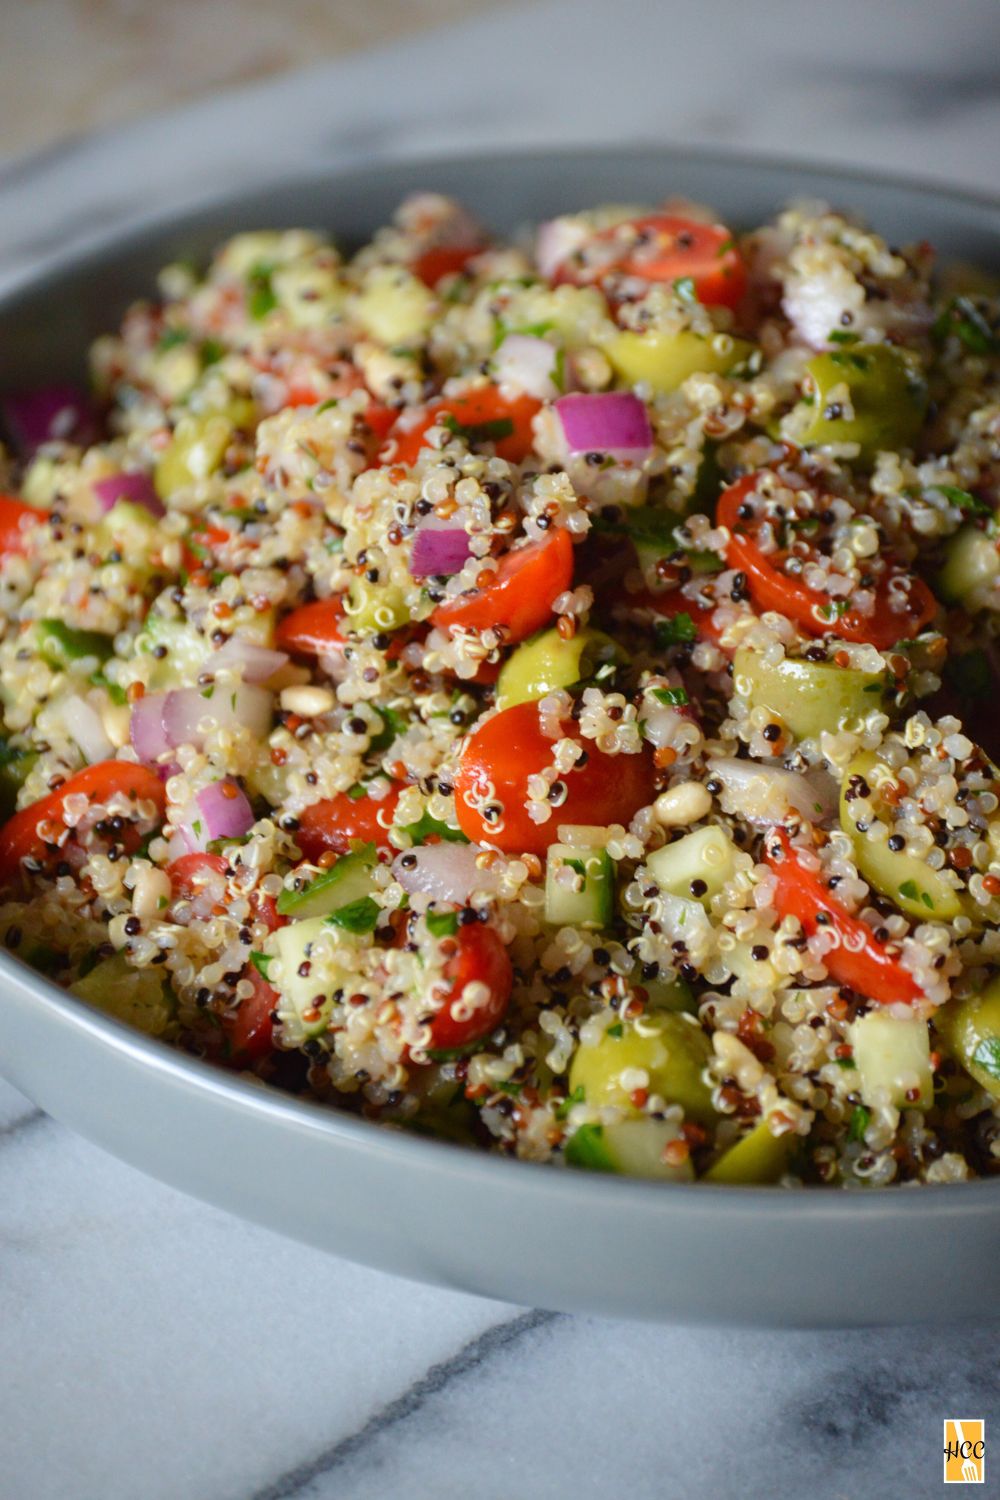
(152, 1347)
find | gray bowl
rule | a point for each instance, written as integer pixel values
(431, 1211)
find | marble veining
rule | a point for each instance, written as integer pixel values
(153, 1348)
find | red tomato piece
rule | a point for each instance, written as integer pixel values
(500, 756)
(857, 959)
(15, 518)
(31, 832)
(773, 589)
(380, 419)
(337, 821)
(250, 1032)
(480, 958)
(313, 629)
(444, 260)
(483, 416)
(520, 593)
(667, 247)
(184, 873)
(201, 545)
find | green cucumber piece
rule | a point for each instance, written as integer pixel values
(589, 901)
(807, 696)
(632, 1148)
(669, 1047)
(971, 567)
(15, 768)
(707, 855)
(140, 997)
(906, 879)
(892, 1057)
(971, 1031)
(759, 1157)
(347, 881)
(60, 645)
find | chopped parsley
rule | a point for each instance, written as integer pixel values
(478, 432)
(987, 1056)
(965, 320)
(442, 923)
(675, 697)
(428, 827)
(356, 916)
(260, 293)
(967, 503)
(617, 1030)
(262, 963)
(564, 1107)
(860, 1118)
(675, 632)
(684, 290)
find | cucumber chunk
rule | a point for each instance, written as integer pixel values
(670, 1048)
(313, 968)
(759, 1157)
(140, 997)
(347, 881)
(60, 645)
(546, 662)
(971, 1031)
(807, 696)
(633, 1148)
(893, 1057)
(971, 567)
(579, 886)
(707, 855)
(665, 360)
(915, 886)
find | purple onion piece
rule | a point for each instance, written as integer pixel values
(614, 422)
(41, 416)
(439, 551)
(136, 487)
(258, 662)
(147, 730)
(224, 810)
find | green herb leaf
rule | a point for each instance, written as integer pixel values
(684, 289)
(965, 320)
(617, 1030)
(576, 1097)
(211, 352)
(860, 1119)
(675, 632)
(968, 504)
(909, 890)
(393, 725)
(675, 697)
(262, 963)
(357, 916)
(841, 336)
(260, 293)
(427, 826)
(442, 923)
(987, 1056)
(479, 432)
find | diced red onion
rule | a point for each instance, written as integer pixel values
(146, 728)
(83, 724)
(529, 363)
(162, 721)
(445, 872)
(765, 795)
(231, 708)
(135, 486)
(613, 422)
(556, 241)
(439, 549)
(41, 416)
(224, 810)
(258, 662)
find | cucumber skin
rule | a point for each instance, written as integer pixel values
(593, 907)
(808, 696)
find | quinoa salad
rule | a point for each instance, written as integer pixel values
(538, 694)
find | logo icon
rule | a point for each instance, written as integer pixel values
(964, 1450)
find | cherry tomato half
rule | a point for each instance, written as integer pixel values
(313, 629)
(34, 831)
(250, 1032)
(482, 416)
(772, 588)
(857, 958)
(668, 247)
(520, 593)
(500, 756)
(337, 821)
(480, 958)
(15, 519)
(441, 261)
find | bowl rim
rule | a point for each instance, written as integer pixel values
(249, 1094)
